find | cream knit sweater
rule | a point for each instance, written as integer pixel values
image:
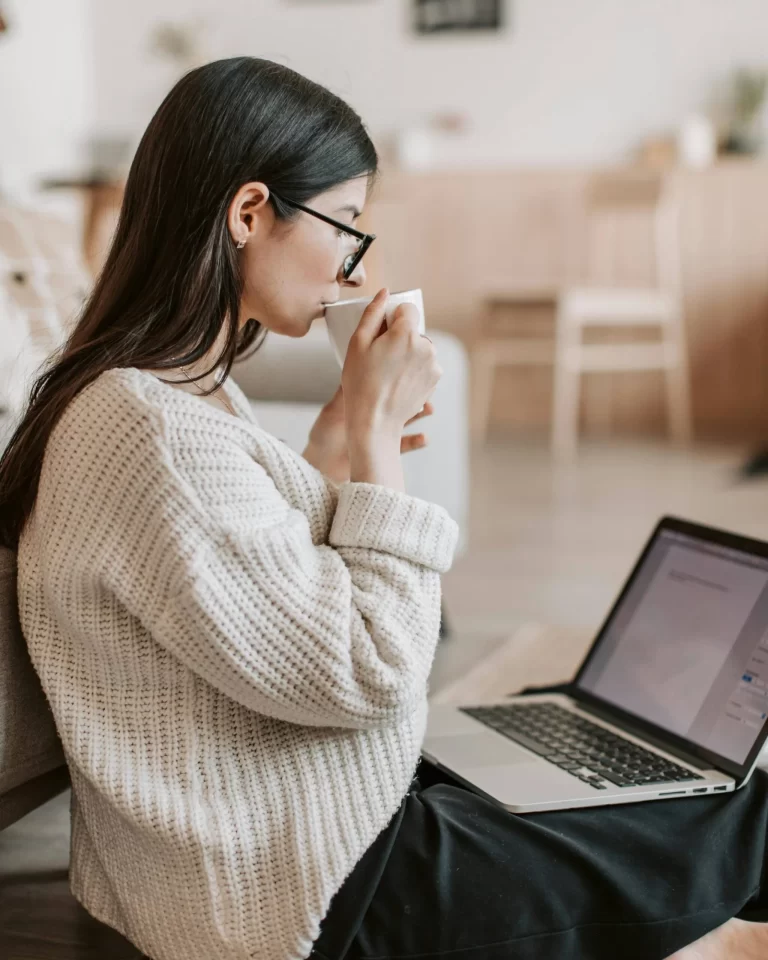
(236, 652)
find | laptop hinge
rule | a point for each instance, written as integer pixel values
(623, 724)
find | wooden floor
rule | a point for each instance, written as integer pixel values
(546, 544)
(554, 544)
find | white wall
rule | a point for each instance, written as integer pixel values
(46, 90)
(573, 81)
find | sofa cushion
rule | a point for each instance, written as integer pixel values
(291, 369)
(29, 744)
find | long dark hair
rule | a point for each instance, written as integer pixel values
(172, 278)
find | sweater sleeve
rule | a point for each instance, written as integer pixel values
(230, 579)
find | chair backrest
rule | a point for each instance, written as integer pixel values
(633, 230)
(30, 749)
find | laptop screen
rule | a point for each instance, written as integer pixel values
(687, 645)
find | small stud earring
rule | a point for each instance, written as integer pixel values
(240, 244)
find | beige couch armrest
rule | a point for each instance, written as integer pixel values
(291, 369)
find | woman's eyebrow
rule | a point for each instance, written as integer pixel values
(349, 209)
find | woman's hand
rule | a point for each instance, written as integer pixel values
(390, 370)
(327, 447)
(389, 373)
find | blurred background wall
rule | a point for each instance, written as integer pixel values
(45, 119)
(565, 83)
(574, 82)
(489, 142)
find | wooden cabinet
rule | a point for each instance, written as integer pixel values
(459, 234)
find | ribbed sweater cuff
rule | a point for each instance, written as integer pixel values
(374, 516)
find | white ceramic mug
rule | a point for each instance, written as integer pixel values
(342, 318)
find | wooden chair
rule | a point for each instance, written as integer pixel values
(603, 304)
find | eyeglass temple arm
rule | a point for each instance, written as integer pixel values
(321, 216)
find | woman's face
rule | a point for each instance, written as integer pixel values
(292, 270)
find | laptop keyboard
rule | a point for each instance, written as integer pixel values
(587, 751)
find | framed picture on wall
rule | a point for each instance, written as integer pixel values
(444, 16)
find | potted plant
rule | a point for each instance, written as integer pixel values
(748, 91)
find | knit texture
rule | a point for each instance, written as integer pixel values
(236, 651)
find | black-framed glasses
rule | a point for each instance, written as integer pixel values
(366, 239)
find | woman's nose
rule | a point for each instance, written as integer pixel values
(355, 279)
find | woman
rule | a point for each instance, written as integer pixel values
(236, 641)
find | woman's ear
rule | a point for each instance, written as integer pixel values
(247, 210)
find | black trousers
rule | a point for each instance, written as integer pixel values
(457, 876)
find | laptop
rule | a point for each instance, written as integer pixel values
(670, 701)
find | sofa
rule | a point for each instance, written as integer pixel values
(287, 380)
(32, 766)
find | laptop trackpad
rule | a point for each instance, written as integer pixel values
(476, 750)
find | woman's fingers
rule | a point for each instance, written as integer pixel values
(426, 411)
(414, 441)
(373, 321)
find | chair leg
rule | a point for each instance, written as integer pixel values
(483, 369)
(566, 390)
(565, 421)
(678, 393)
